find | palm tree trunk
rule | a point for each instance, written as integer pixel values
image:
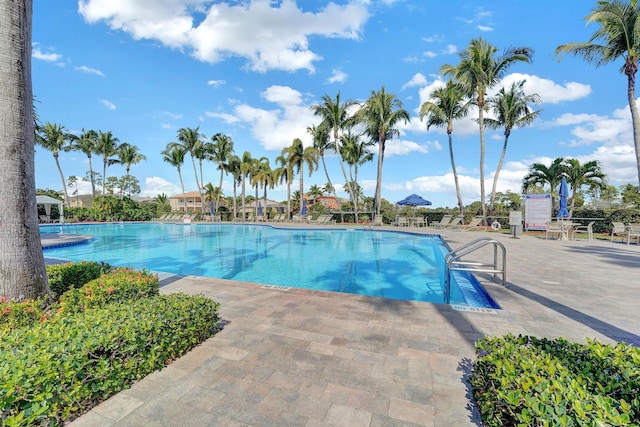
(64, 185)
(301, 186)
(22, 268)
(195, 172)
(184, 197)
(235, 199)
(93, 181)
(243, 204)
(495, 177)
(201, 194)
(379, 175)
(218, 197)
(104, 175)
(481, 125)
(455, 175)
(288, 200)
(355, 184)
(635, 117)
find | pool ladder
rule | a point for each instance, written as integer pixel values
(453, 262)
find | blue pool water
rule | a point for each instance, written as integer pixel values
(386, 264)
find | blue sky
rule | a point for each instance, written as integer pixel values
(250, 69)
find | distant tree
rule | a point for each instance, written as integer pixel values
(162, 198)
(589, 174)
(298, 157)
(543, 175)
(284, 174)
(221, 151)
(233, 167)
(356, 153)
(478, 71)
(86, 143)
(381, 113)
(72, 181)
(511, 109)
(107, 147)
(128, 155)
(190, 140)
(630, 195)
(54, 137)
(246, 165)
(445, 105)
(174, 155)
(616, 38)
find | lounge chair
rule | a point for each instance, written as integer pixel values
(45, 219)
(633, 231)
(455, 222)
(554, 228)
(619, 229)
(584, 229)
(475, 224)
(444, 221)
(402, 221)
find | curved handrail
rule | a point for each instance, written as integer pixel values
(455, 255)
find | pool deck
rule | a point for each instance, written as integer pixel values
(309, 358)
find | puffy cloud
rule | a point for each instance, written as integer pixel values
(216, 83)
(110, 105)
(49, 57)
(154, 185)
(268, 35)
(550, 92)
(337, 76)
(418, 79)
(88, 70)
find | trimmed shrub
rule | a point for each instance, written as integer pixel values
(122, 284)
(14, 315)
(63, 277)
(534, 382)
(56, 370)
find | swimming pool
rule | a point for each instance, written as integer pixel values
(377, 263)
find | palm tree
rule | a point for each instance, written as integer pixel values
(511, 108)
(107, 147)
(190, 139)
(478, 71)
(221, 150)
(162, 198)
(246, 164)
(321, 141)
(128, 155)
(233, 167)
(284, 173)
(589, 174)
(355, 153)
(257, 166)
(315, 191)
(211, 193)
(335, 118)
(174, 155)
(540, 174)
(298, 156)
(86, 143)
(617, 37)
(446, 105)
(54, 138)
(265, 177)
(22, 268)
(380, 115)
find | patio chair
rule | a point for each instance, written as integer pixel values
(475, 224)
(584, 229)
(444, 221)
(633, 231)
(377, 220)
(455, 222)
(619, 229)
(45, 219)
(554, 228)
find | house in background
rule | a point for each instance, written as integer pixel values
(329, 202)
(194, 202)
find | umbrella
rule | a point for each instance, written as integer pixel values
(563, 212)
(303, 211)
(212, 207)
(259, 209)
(414, 200)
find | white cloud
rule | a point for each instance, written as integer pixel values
(484, 28)
(450, 49)
(337, 76)
(216, 83)
(228, 118)
(269, 35)
(418, 79)
(154, 185)
(88, 70)
(49, 57)
(549, 91)
(110, 105)
(402, 147)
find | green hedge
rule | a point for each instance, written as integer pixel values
(56, 370)
(63, 277)
(526, 381)
(122, 284)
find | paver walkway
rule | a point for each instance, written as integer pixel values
(308, 358)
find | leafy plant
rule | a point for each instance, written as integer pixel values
(63, 277)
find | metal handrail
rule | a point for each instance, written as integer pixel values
(453, 262)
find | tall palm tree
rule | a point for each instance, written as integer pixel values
(174, 155)
(265, 177)
(128, 155)
(381, 113)
(86, 143)
(478, 71)
(233, 167)
(511, 108)
(284, 173)
(107, 147)
(221, 150)
(22, 268)
(336, 117)
(298, 156)
(617, 37)
(189, 138)
(246, 165)
(257, 166)
(211, 193)
(53, 137)
(321, 141)
(589, 174)
(540, 174)
(355, 153)
(447, 104)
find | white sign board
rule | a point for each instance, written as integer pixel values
(537, 211)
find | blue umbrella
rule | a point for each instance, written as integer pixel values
(212, 207)
(303, 211)
(414, 200)
(259, 209)
(564, 196)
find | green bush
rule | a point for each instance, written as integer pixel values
(56, 370)
(63, 277)
(122, 284)
(15, 315)
(526, 381)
